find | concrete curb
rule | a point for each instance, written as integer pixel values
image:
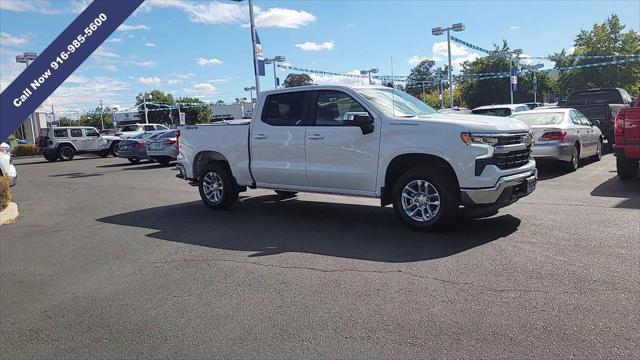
(10, 214)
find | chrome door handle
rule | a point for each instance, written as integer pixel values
(259, 136)
(315, 137)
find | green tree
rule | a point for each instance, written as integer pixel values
(97, 118)
(196, 111)
(423, 73)
(65, 121)
(294, 80)
(606, 38)
(496, 91)
(159, 106)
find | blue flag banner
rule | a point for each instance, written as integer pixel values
(259, 56)
(60, 59)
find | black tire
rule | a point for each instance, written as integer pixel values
(103, 154)
(286, 194)
(51, 158)
(627, 169)
(598, 155)
(115, 147)
(574, 163)
(445, 188)
(163, 162)
(218, 174)
(66, 153)
(134, 160)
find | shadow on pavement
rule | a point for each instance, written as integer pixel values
(40, 160)
(628, 190)
(269, 225)
(124, 163)
(77, 175)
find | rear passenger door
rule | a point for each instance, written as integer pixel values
(278, 140)
(77, 139)
(582, 133)
(339, 155)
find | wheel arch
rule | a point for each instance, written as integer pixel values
(66, 143)
(203, 158)
(401, 163)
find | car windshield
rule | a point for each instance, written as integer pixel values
(129, 128)
(493, 111)
(394, 102)
(142, 135)
(540, 118)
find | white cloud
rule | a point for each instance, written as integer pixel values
(43, 6)
(145, 64)
(185, 76)
(105, 53)
(149, 44)
(440, 49)
(125, 27)
(457, 62)
(283, 18)
(312, 46)
(526, 59)
(87, 92)
(172, 81)
(215, 12)
(571, 50)
(110, 67)
(515, 27)
(218, 80)
(150, 81)
(341, 80)
(417, 59)
(201, 89)
(114, 40)
(213, 61)
(11, 40)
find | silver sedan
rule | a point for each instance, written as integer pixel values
(164, 148)
(562, 134)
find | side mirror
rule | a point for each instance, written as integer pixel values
(595, 123)
(361, 119)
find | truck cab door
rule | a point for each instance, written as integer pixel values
(277, 140)
(93, 140)
(340, 154)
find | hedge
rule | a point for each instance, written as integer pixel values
(24, 150)
(5, 195)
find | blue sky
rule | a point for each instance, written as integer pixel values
(202, 48)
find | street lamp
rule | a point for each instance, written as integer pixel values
(26, 58)
(273, 61)
(250, 90)
(439, 31)
(253, 44)
(369, 72)
(513, 79)
(534, 69)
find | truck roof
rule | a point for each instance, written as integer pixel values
(323, 87)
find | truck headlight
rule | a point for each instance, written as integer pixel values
(469, 138)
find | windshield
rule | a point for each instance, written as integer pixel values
(540, 118)
(142, 135)
(129, 128)
(394, 102)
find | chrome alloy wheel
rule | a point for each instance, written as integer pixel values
(212, 186)
(420, 200)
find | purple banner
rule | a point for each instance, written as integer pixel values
(60, 59)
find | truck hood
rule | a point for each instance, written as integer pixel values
(476, 123)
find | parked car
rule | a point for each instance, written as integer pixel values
(127, 131)
(367, 141)
(533, 105)
(627, 141)
(562, 134)
(65, 142)
(600, 107)
(134, 148)
(6, 167)
(500, 110)
(24, 142)
(164, 148)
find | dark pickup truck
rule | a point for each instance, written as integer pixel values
(600, 107)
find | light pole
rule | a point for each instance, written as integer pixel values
(250, 90)
(369, 72)
(439, 31)
(534, 69)
(513, 79)
(26, 58)
(273, 61)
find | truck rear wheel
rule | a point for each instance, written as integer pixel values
(217, 187)
(66, 153)
(627, 169)
(425, 199)
(51, 157)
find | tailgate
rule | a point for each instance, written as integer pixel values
(631, 126)
(598, 112)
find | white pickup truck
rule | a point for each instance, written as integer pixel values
(363, 141)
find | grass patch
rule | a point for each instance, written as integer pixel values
(5, 195)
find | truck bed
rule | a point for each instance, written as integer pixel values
(224, 137)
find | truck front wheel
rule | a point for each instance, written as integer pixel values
(217, 187)
(424, 198)
(627, 169)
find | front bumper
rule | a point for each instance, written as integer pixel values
(507, 190)
(553, 151)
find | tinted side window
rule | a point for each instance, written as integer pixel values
(60, 133)
(574, 118)
(91, 133)
(284, 109)
(333, 107)
(148, 128)
(168, 135)
(76, 132)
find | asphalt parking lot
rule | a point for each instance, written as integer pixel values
(111, 260)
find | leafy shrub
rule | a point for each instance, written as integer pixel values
(24, 150)
(5, 195)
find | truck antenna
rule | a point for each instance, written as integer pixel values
(393, 90)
